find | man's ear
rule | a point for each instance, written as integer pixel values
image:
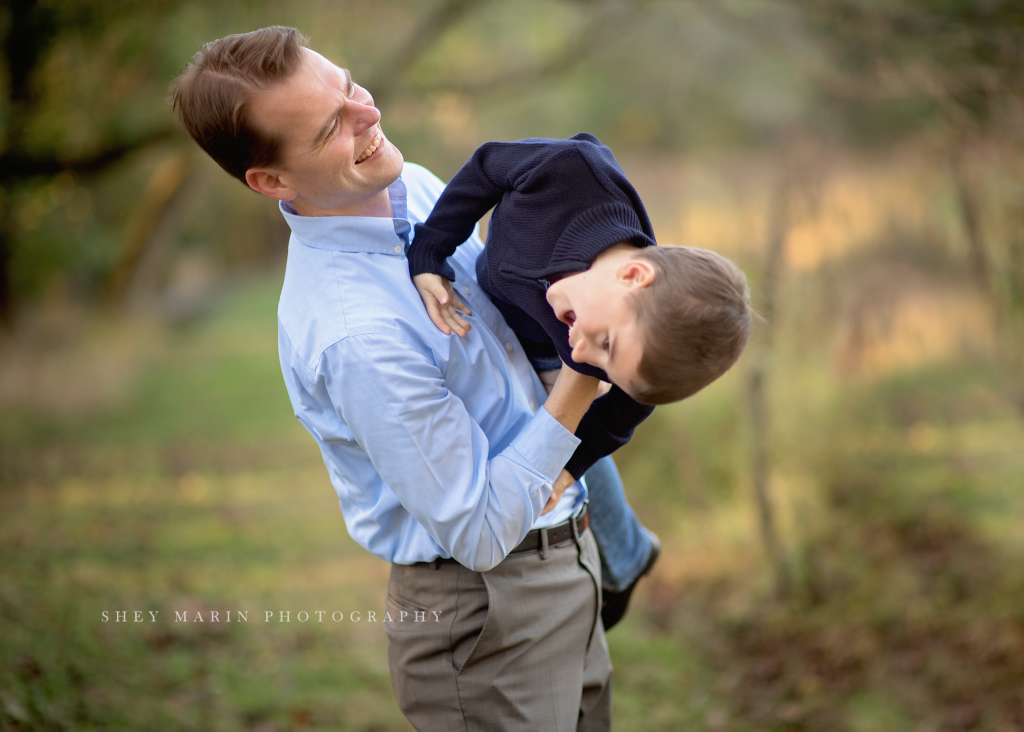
(636, 272)
(268, 182)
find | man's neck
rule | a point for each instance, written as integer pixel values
(378, 205)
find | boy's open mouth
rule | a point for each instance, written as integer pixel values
(568, 317)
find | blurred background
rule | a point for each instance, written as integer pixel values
(842, 514)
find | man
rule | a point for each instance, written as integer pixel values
(444, 460)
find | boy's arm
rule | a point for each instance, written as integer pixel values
(493, 170)
(443, 305)
(436, 458)
(607, 426)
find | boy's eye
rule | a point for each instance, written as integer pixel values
(605, 344)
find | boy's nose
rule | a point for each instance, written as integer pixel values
(579, 351)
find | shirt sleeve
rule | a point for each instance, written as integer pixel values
(494, 169)
(432, 454)
(607, 426)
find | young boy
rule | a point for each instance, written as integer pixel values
(572, 264)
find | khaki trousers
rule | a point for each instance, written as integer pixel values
(520, 647)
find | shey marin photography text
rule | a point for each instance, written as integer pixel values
(271, 616)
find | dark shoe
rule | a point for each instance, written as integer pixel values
(614, 604)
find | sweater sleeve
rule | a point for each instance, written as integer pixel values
(494, 169)
(607, 426)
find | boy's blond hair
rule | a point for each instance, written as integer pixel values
(695, 320)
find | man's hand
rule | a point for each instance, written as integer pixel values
(441, 303)
(562, 483)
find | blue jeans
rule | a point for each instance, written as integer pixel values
(622, 541)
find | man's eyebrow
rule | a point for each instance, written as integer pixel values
(330, 121)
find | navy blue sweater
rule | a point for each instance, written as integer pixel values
(557, 205)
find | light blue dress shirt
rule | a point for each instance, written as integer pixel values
(436, 445)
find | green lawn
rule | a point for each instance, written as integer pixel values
(192, 489)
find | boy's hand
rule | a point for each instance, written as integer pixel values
(441, 303)
(563, 481)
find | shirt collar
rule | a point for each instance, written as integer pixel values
(375, 234)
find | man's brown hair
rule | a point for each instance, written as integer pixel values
(212, 94)
(695, 319)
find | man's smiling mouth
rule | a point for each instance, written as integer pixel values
(371, 149)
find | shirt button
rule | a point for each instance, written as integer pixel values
(398, 249)
(465, 291)
(509, 347)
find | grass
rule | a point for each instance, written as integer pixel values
(192, 488)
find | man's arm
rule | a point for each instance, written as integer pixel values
(437, 459)
(607, 426)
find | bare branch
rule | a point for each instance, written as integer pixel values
(608, 17)
(423, 37)
(16, 166)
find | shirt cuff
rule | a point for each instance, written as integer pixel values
(546, 444)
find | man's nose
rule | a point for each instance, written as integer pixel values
(366, 116)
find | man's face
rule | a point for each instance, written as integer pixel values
(603, 327)
(335, 158)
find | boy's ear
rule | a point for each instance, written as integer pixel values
(268, 182)
(637, 273)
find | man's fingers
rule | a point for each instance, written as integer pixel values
(552, 502)
(561, 484)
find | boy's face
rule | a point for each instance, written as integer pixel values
(603, 327)
(336, 159)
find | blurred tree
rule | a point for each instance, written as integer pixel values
(85, 86)
(32, 33)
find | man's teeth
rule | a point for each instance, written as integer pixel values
(370, 150)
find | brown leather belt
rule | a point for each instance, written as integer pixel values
(540, 539)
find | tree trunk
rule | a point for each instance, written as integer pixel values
(970, 211)
(6, 249)
(166, 185)
(760, 413)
